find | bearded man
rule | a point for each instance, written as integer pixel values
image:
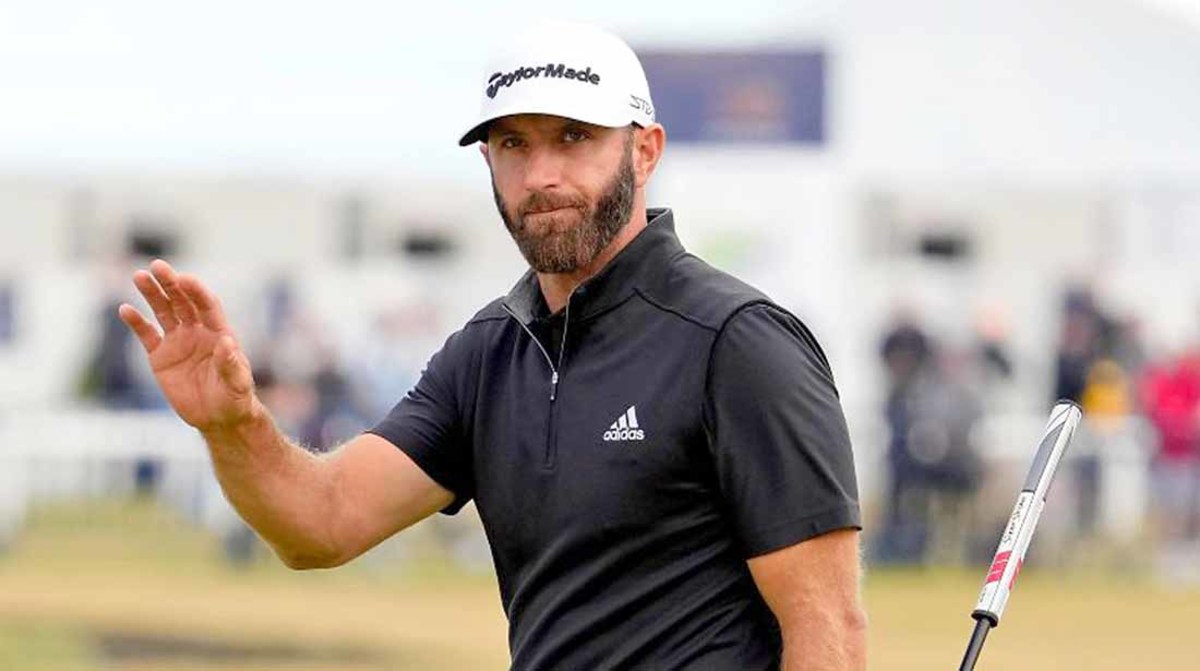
(656, 450)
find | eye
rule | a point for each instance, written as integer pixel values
(572, 135)
(510, 142)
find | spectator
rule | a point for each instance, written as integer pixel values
(944, 408)
(1077, 346)
(1106, 402)
(1171, 399)
(906, 352)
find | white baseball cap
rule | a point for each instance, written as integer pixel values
(564, 69)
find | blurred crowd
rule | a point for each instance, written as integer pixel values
(938, 394)
(934, 399)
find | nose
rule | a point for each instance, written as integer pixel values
(543, 168)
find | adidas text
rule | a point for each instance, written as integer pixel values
(624, 434)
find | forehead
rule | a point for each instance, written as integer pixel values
(535, 123)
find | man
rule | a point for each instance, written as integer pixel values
(656, 450)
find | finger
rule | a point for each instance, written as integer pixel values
(232, 366)
(208, 306)
(185, 312)
(143, 329)
(157, 299)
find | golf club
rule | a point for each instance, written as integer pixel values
(1010, 555)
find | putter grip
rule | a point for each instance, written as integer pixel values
(1010, 555)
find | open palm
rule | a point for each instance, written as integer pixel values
(195, 357)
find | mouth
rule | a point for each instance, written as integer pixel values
(547, 211)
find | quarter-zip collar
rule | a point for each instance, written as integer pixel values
(643, 261)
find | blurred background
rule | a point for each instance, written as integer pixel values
(978, 207)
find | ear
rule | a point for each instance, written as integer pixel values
(648, 146)
(483, 151)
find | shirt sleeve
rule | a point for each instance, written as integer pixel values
(427, 424)
(777, 432)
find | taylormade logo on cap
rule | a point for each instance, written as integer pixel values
(557, 70)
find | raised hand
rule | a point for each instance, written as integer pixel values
(195, 358)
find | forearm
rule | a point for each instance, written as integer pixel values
(813, 589)
(284, 492)
(826, 641)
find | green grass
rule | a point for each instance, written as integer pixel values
(127, 586)
(90, 574)
(41, 647)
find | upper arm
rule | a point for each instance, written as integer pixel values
(413, 463)
(379, 490)
(779, 439)
(430, 424)
(813, 589)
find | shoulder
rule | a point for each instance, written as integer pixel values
(492, 312)
(483, 324)
(468, 343)
(772, 340)
(694, 290)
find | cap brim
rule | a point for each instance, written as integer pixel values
(476, 134)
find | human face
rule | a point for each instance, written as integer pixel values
(563, 188)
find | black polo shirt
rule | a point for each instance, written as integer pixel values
(680, 424)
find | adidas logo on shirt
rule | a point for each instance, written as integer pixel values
(626, 427)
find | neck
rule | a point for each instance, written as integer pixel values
(557, 287)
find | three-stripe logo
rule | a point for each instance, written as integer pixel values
(626, 427)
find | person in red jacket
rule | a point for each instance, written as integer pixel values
(1171, 399)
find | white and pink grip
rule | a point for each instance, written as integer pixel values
(1010, 555)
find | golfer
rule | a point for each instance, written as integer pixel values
(656, 450)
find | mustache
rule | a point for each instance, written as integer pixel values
(542, 201)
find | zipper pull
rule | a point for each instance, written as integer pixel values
(553, 384)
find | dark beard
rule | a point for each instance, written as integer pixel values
(565, 251)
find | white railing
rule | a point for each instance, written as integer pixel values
(80, 454)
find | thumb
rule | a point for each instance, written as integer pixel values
(232, 367)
